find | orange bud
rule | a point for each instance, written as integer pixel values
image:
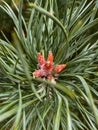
(41, 59)
(37, 73)
(59, 68)
(50, 57)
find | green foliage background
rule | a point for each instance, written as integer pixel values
(68, 29)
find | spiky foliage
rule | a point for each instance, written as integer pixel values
(37, 103)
